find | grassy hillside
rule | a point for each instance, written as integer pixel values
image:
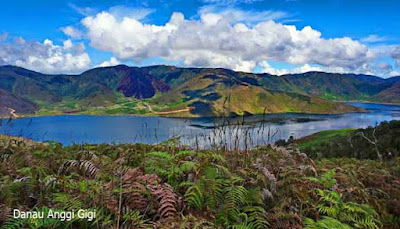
(220, 94)
(174, 91)
(323, 137)
(166, 186)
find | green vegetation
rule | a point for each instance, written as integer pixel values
(380, 142)
(122, 106)
(165, 186)
(323, 137)
(339, 213)
(184, 92)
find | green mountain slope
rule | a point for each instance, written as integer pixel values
(343, 87)
(173, 91)
(220, 94)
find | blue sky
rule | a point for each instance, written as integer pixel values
(343, 36)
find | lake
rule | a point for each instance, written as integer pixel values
(202, 132)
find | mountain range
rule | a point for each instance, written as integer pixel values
(187, 92)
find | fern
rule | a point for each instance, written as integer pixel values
(134, 219)
(159, 155)
(168, 200)
(86, 167)
(183, 153)
(331, 204)
(257, 217)
(187, 166)
(14, 224)
(194, 197)
(67, 202)
(235, 199)
(325, 223)
(327, 180)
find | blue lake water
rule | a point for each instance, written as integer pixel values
(251, 130)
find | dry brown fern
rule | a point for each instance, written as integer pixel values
(145, 193)
(168, 200)
(134, 197)
(88, 168)
(5, 213)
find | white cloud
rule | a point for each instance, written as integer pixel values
(45, 57)
(385, 67)
(68, 44)
(217, 40)
(267, 68)
(248, 17)
(373, 38)
(394, 73)
(3, 36)
(391, 51)
(228, 2)
(395, 54)
(72, 32)
(85, 11)
(112, 62)
(139, 14)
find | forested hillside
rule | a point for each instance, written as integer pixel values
(380, 142)
(165, 90)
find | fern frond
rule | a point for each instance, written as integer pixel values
(194, 197)
(187, 166)
(159, 154)
(67, 202)
(325, 223)
(257, 216)
(183, 153)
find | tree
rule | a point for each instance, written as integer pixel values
(374, 142)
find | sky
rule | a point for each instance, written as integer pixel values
(273, 36)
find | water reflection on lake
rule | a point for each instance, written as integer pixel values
(252, 130)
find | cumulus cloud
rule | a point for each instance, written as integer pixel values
(215, 40)
(44, 57)
(112, 62)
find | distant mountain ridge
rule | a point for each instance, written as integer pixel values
(194, 91)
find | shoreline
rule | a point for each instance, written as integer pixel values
(19, 116)
(14, 115)
(368, 102)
